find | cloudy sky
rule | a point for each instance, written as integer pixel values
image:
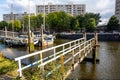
(106, 8)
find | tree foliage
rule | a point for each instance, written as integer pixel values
(14, 25)
(85, 21)
(91, 25)
(113, 24)
(58, 21)
(3, 24)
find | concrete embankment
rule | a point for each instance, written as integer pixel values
(101, 36)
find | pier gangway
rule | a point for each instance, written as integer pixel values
(64, 57)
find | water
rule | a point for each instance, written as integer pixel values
(12, 53)
(107, 69)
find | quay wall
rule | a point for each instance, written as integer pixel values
(101, 36)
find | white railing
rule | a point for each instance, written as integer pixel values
(68, 47)
(8, 33)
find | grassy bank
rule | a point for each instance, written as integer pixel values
(8, 67)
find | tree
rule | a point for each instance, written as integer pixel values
(91, 25)
(93, 15)
(33, 22)
(39, 20)
(81, 21)
(74, 24)
(25, 22)
(58, 21)
(3, 24)
(113, 23)
(15, 25)
(84, 20)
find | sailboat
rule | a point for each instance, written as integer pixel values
(21, 40)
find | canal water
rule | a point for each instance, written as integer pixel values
(107, 69)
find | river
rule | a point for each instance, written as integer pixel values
(108, 68)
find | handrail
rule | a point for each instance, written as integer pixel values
(39, 52)
(76, 44)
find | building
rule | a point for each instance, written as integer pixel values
(117, 9)
(11, 16)
(74, 9)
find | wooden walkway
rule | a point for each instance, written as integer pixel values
(64, 57)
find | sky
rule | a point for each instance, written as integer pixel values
(106, 8)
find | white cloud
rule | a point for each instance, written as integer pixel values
(21, 5)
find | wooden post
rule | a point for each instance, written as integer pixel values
(73, 59)
(95, 49)
(5, 33)
(84, 36)
(42, 67)
(62, 65)
(31, 42)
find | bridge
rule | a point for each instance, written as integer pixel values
(64, 57)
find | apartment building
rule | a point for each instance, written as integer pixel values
(11, 16)
(73, 9)
(117, 9)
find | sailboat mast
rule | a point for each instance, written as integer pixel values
(29, 25)
(29, 17)
(44, 16)
(12, 19)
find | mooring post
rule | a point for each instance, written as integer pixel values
(5, 33)
(31, 42)
(84, 35)
(95, 49)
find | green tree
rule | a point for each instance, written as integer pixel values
(25, 22)
(58, 21)
(113, 24)
(15, 25)
(91, 25)
(81, 21)
(3, 24)
(93, 15)
(39, 20)
(33, 22)
(74, 24)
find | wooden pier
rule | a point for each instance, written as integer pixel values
(64, 57)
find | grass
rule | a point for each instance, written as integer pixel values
(8, 67)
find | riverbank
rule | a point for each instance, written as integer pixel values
(101, 36)
(8, 68)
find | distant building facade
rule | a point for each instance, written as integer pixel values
(73, 9)
(117, 9)
(11, 16)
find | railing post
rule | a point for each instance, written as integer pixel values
(79, 53)
(72, 59)
(84, 35)
(62, 65)
(20, 71)
(54, 53)
(41, 61)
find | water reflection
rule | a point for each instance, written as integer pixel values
(107, 69)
